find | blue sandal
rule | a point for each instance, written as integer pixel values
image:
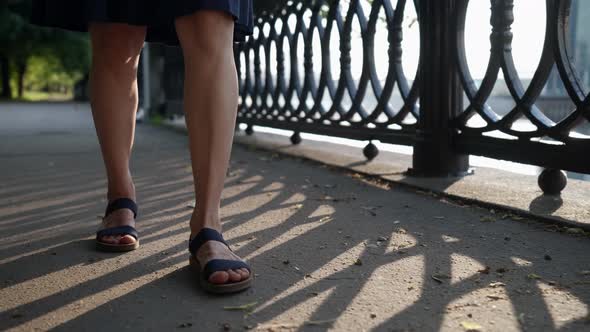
(214, 265)
(116, 204)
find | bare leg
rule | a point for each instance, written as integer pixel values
(210, 104)
(113, 79)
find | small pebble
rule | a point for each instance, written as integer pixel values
(574, 231)
(485, 270)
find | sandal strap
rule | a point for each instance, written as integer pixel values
(120, 230)
(121, 203)
(204, 235)
(216, 265)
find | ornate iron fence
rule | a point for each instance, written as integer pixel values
(552, 143)
(433, 110)
(293, 100)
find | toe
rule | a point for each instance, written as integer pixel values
(244, 273)
(118, 239)
(127, 239)
(234, 276)
(219, 277)
(108, 239)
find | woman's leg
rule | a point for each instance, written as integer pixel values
(210, 105)
(113, 81)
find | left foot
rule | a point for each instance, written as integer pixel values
(217, 250)
(121, 217)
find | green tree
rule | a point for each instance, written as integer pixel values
(11, 26)
(21, 41)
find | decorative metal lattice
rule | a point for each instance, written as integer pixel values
(305, 94)
(557, 134)
(309, 97)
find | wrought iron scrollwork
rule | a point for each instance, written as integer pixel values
(552, 142)
(303, 94)
(314, 100)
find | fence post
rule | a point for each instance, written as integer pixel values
(441, 95)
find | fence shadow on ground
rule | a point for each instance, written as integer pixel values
(325, 246)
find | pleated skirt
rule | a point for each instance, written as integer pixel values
(157, 15)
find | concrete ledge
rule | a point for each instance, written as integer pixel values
(502, 190)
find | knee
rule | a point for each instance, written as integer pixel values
(206, 34)
(116, 46)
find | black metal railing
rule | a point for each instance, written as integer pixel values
(434, 109)
(315, 100)
(559, 149)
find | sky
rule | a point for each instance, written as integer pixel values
(528, 29)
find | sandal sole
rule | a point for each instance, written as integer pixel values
(116, 247)
(232, 287)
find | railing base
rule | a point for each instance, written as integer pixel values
(552, 181)
(418, 173)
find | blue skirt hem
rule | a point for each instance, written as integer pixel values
(157, 15)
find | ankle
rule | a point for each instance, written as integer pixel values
(127, 191)
(196, 224)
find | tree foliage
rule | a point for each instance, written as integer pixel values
(65, 54)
